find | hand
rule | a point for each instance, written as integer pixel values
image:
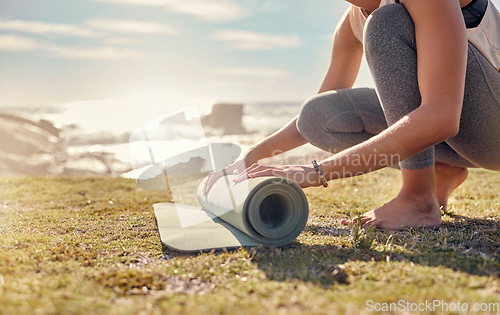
(235, 168)
(303, 175)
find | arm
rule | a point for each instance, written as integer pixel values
(342, 71)
(442, 57)
(344, 66)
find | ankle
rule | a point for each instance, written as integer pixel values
(425, 202)
(447, 169)
(419, 183)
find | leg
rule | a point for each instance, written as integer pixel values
(390, 48)
(414, 206)
(391, 53)
(336, 120)
(451, 172)
(479, 137)
(448, 178)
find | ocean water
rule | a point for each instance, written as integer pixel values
(118, 127)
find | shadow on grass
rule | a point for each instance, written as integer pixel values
(468, 245)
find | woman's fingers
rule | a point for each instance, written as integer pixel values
(253, 170)
(260, 173)
(210, 181)
(297, 173)
(302, 175)
(257, 170)
(231, 169)
(239, 167)
(213, 177)
(249, 170)
(289, 172)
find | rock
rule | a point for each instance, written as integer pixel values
(28, 147)
(227, 118)
(49, 127)
(179, 119)
(94, 164)
(104, 137)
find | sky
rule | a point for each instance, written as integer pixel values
(62, 51)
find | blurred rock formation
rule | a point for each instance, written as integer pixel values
(225, 118)
(29, 147)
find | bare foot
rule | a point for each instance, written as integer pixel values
(402, 212)
(448, 178)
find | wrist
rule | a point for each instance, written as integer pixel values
(327, 170)
(257, 152)
(251, 157)
(322, 179)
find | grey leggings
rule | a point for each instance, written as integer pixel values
(336, 120)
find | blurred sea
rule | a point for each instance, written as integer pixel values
(106, 126)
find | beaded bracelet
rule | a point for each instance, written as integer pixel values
(320, 173)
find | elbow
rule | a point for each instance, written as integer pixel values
(445, 129)
(450, 123)
(453, 130)
(442, 122)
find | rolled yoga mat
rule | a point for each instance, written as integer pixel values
(266, 211)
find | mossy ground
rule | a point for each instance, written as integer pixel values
(90, 245)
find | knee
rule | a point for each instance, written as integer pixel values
(386, 24)
(323, 113)
(330, 112)
(311, 118)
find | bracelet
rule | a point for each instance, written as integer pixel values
(320, 173)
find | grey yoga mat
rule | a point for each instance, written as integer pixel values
(266, 211)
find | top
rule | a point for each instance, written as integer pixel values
(485, 37)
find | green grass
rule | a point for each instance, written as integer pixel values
(85, 245)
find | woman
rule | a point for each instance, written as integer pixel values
(435, 109)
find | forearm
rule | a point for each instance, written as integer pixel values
(414, 133)
(442, 58)
(347, 53)
(283, 140)
(342, 71)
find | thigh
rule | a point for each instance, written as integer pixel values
(445, 154)
(478, 139)
(365, 105)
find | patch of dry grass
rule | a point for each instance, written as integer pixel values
(85, 245)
